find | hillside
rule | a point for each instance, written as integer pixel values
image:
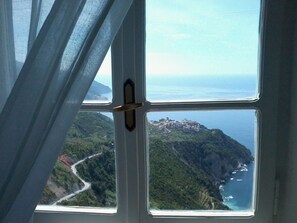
(96, 91)
(188, 162)
(90, 133)
(191, 162)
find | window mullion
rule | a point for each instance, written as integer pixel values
(203, 105)
(126, 66)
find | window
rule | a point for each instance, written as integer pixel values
(151, 166)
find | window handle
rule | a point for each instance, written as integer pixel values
(128, 107)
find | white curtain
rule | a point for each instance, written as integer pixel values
(50, 52)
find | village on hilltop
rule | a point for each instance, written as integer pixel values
(166, 124)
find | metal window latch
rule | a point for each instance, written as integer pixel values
(129, 106)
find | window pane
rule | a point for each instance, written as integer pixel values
(84, 174)
(202, 50)
(202, 160)
(101, 88)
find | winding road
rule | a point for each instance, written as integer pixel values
(86, 186)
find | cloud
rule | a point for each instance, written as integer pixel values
(205, 36)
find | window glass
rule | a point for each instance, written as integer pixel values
(84, 174)
(202, 50)
(101, 88)
(202, 160)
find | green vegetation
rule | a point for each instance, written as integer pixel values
(48, 196)
(176, 185)
(63, 177)
(188, 162)
(100, 171)
(62, 181)
(86, 198)
(90, 133)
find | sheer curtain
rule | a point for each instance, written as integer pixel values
(50, 52)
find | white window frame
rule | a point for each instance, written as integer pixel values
(128, 59)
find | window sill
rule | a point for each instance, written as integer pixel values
(202, 214)
(63, 209)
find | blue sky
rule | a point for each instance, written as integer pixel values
(201, 37)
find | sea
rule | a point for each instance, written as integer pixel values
(241, 125)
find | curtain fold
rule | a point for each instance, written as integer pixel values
(7, 52)
(35, 18)
(65, 53)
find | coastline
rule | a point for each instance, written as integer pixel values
(232, 195)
